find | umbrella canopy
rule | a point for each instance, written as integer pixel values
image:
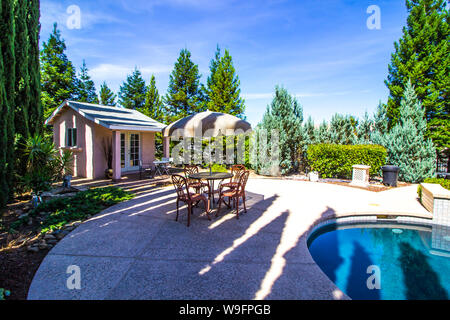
(207, 124)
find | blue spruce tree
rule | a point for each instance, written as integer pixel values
(406, 143)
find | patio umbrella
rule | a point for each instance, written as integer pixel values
(207, 124)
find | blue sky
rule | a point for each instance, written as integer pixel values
(320, 50)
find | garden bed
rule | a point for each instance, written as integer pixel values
(26, 234)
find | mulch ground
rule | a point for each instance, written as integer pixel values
(17, 265)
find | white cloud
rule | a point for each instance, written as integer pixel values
(107, 72)
(52, 12)
(261, 96)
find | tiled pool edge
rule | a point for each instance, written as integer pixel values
(353, 218)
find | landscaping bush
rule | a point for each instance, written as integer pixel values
(336, 161)
(443, 182)
(45, 165)
(61, 211)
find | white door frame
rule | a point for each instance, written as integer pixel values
(125, 163)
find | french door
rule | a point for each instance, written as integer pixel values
(130, 151)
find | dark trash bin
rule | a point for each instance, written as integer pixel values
(390, 175)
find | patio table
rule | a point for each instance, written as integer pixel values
(211, 177)
(161, 166)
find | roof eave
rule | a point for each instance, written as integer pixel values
(134, 128)
(49, 120)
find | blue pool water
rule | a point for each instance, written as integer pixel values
(410, 262)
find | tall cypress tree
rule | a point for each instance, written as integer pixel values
(223, 90)
(184, 96)
(423, 56)
(85, 86)
(7, 100)
(35, 109)
(58, 77)
(107, 97)
(23, 91)
(132, 92)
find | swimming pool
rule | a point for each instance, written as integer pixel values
(385, 261)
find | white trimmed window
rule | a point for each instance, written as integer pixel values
(71, 137)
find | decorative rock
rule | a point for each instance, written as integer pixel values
(32, 249)
(23, 216)
(49, 237)
(43, 246)
(61, 234)
(52, 242)
(18, 212)
(30, 222)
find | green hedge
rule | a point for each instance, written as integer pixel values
(443, 182)
(336, 161)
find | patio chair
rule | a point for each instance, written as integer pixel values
(183, 194)
(236, 170)
(235, 194)
(197, 185)
(145, 170)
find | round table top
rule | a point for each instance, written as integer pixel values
(211, 176)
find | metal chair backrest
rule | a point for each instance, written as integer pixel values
(180, 185)
(188, 170)
(237, 170)
(243, 181)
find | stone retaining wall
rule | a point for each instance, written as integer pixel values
(436, 199)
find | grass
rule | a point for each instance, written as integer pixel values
(57, 213)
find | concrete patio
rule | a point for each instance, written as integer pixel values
(135, 250)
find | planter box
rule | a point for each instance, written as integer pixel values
(436, 200)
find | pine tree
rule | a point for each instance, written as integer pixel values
(342, 129)
(380, 125)
(153, 104)
(85, 87)
(35, 109)
(285, 115)
(407, 144)
(184, 96)
(107, 97)
(223, 92)
(7, 100)
(423, 56)
(323, 133)
(364, 130)
(311, 133)
(58, 76)
(132, 92)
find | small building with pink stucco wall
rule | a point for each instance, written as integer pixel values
(96, 133)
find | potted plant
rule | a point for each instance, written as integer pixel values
(107, 149)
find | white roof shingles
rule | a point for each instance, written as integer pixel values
(114, 118)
